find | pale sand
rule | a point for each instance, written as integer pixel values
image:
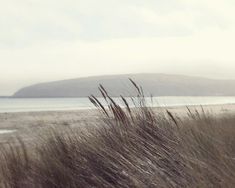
(29, 124)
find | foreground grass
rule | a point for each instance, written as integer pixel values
(129, 148)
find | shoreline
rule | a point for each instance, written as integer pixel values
(94, 108)
(29, 124)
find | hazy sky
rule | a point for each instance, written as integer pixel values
(44, 40)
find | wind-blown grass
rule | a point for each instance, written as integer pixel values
(129, 147)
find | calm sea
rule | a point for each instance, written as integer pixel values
(54, 104)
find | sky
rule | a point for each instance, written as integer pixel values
(46, 40)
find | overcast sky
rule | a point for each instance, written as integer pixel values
(45, 40)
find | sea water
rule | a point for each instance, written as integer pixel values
(55, 104)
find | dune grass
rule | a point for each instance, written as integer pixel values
(129, 148)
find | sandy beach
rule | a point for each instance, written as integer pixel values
(29, 124)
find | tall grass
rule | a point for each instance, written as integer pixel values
(129, 147)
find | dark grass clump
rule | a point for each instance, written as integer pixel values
(129, 148)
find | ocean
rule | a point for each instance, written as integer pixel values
(55, 104)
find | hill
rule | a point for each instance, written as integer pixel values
(155, 84)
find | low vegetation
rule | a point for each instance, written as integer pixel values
(129, 148)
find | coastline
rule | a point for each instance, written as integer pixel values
(29, 124)
(17, 119)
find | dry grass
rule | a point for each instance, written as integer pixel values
(132, 147)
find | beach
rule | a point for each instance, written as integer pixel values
(27, 125)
